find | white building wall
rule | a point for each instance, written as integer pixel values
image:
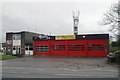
(16, 42)
(28, 52)
(14, 51)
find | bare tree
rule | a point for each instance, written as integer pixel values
(112, 18)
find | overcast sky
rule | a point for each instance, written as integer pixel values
(53, 17)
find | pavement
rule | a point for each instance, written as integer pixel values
(58, 67)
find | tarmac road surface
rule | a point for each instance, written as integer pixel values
(58, 67)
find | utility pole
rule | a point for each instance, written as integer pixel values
(75, 21)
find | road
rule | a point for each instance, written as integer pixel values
(56, 67)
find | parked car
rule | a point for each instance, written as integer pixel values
(113, 57)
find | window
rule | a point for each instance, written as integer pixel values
(26, 48)
(76, 47)
(70, 47)
(30, 48)
(41, 48)
(79, 47)
(58, 47)
(13, 47)
(96, 47)
(16, 37)
(37, 48)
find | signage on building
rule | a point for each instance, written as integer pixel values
(43, 37)
(65, 37)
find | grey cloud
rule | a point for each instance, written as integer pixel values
(51, 17)
(10, 24)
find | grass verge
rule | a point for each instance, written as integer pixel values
(5, 57)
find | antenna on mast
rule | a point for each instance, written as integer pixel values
(75, 21)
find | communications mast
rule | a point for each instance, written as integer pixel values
(75, 21)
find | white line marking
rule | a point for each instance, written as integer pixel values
(96, 69)
(24, 72)
(40, 69)
(19, 72)
(63, 74)
(66, 69)
(19, 68)
(85, 75)
(90, 70)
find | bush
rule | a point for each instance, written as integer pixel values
(117, 58)
(113, 49)
(18, 55)
(114, 44)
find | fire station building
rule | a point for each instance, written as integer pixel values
(72, 45)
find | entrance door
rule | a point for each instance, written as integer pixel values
(28, 50)
(16, 50)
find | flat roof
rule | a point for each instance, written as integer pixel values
(21, 32)
(79, 37)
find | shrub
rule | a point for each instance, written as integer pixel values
(18, 55)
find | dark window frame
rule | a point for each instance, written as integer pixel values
(96, 47)
(42, 48)
(58, 47)
(78, 47)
